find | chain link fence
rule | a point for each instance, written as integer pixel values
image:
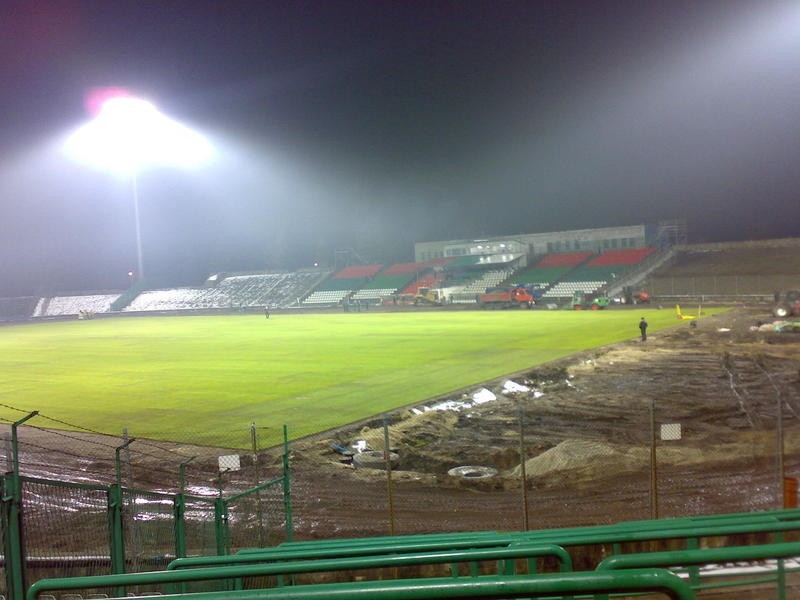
(80, 502)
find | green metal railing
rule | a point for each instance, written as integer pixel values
(340, 556)
(505, 556)
(676, 531)
(503, 586)
(706, 556)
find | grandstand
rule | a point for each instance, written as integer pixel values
(59, 306)
(466, 294)
(430, 275)
(390, 281)
(341, 285)
(593, 275)
(550, 268)
(724, 270)
(278, 290)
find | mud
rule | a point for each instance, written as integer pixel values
(586, 434)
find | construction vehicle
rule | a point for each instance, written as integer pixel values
(506, 297)
(629, 296)
(427, 296)
(584, 301)
(787, 304)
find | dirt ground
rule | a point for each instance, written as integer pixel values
(587, 437)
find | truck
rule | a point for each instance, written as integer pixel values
(506, 297)
(787, 304)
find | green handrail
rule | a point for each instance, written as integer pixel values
(515, 586)
(699, 557)
(285, 555)
(658, 524)
(573, 538)
(305, 566)
(706, 556)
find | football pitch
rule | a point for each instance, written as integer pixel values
(204, 379)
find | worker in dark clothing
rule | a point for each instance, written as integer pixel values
(266, 312)
(643, 329)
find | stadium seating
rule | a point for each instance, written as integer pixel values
(487, 279)
(541, 277)
(72, 305)
(177, 299)
(382, 286)
(278, 290)
(595, 274)
(342, 284)
(358, 272)
(410, 268)
(563, 259)
(430, 281)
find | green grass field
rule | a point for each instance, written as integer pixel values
(204, 379)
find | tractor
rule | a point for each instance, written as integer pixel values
(584, 301)
(787, 304)
(427, 296)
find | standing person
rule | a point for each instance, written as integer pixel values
(266, 312)
(643, 329)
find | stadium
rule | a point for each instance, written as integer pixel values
(399, 300)
(521, 409)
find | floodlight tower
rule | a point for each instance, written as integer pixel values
(129, 134)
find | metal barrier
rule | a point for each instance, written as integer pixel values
(706, 556)
(690, 532)
(506, 586)
(230, 572)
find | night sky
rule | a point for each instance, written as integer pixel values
(371, 125)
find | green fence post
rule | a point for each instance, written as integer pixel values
(14, 544)
(287, 487)
(12, 540)
(116, 534)
(179, 511)
(221, 533)
(115, 530)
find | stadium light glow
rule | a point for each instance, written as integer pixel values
(130, 134)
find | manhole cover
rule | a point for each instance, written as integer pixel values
(472, 472)
(374, 459)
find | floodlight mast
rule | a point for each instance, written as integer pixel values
(130, 134)
(138, 220)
